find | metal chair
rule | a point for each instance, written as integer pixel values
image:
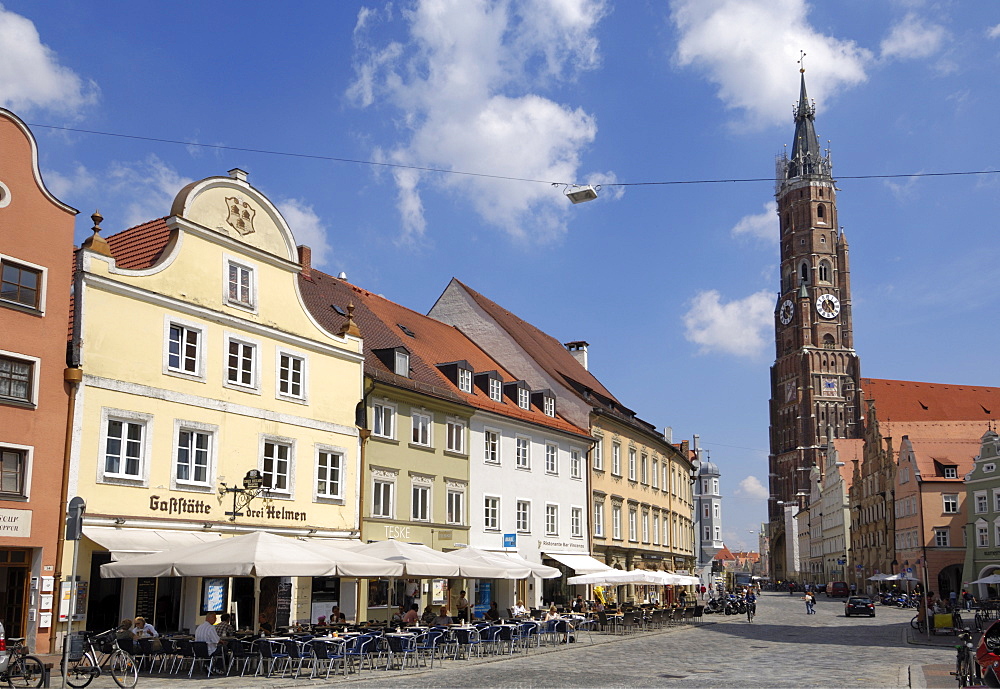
(427, 644)
(467, 639)
(239, 651)
(360, 648)
(270, 653)
(200, 655)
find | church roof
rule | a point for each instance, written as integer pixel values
(904, 400)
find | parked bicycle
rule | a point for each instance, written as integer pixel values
(101, 654)
(966, 668)
(918, 624)
(19, 668)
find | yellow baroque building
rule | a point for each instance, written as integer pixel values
(202, 368)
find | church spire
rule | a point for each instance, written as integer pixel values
(806, 160)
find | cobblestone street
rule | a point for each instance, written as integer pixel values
(783, 647)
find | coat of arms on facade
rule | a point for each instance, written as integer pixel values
(241, 215)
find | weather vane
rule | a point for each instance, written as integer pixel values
(801, 61)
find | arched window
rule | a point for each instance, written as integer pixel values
(804, 273)
(820, 211)
(824, 271)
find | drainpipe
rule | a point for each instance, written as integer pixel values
(72, 376)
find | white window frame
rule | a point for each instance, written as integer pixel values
(319, 480)
(380, 487)
(524, 398)
(491, 445)
(599, 518)
(464, 379)
(43, 281)
(575, 463)
(616, 458)
(982, 501)
(982, 535)
(522, 516)
(249, 304)
(616, 521)
(28, 452)
(633, 524)
(491, 512)
(289, 474)
(145, 421)
(420, 501)
(632, 464)
(950, 471)
(656, 528)
(643, 468)
(549, 406)
(281, 378)
(996, 499)
(186, 327)
(211, 431)
(255, 351)
(597, 453)
(551, 519)
(522, 446)
(942, 537)
(949, 503)
(551, 458)
(36, 368)
(456, 432)
(383, 414)
(421, 428)
(401, 363)
(495, 389)
(575, 522)
(655, 473)
(455, 503)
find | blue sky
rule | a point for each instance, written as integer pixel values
(672, 285)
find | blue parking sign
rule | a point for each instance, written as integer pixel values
(510, 540)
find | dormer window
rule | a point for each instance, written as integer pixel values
(546, 401)
(491, 384)
(396, 359)
(519, 393)
(459, 373)
(950, 471)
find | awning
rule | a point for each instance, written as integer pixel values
(581, 564)
(126, 543)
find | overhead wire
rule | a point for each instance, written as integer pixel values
(421, 168)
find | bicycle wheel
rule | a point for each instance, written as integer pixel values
(26, 671)
(82, 672)
(124, 671)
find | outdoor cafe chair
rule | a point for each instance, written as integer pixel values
(293, 650)
(320, 654)
(427, 644)
(528, 635)
(182, 653)
(200, 655)
(401, 648)
(467, 639)
(489, 638)
(271, 654)
(143, 652)
(360, 648)
(239, 651)
(586, 626)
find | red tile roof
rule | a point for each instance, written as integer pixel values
(138, 247)
(959, 453)
(724, 554)
(432, 343)
(903, 400)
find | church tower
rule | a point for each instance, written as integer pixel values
(815, 379)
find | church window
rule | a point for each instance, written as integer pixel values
(820, 212)
(804, 273)
(824, 271)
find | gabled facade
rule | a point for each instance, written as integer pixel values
(36, 245)
(460, 450)
(642, 501)
(836, 509)
(203, 371)
(708, 515)
(982, 500)
(931, 507)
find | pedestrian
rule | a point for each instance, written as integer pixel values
(967, 599)
(854, 588)
(791, 588)
(953, 599)
(810, 600)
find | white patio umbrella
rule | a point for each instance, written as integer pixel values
(989, 579)
(257, 554)
(541, 571)
(513, 570)
(879, 577)
(616, 577)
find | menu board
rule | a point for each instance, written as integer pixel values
(145, 598)
(284, 604)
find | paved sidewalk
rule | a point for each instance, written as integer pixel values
(935, 675)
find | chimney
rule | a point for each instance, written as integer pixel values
(238, 174)
(305, 260)
(579, 352)
(668, 433)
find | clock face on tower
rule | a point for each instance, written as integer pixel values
(827, 305)
(786, 312)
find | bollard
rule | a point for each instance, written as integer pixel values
(46, 674)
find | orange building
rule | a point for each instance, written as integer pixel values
(36, 249)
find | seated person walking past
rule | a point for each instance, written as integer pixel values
(206, 632)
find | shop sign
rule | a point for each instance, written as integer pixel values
(560, 545)
(15, 523)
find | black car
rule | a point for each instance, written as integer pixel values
(859, 605)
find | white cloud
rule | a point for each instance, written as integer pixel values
(762, 226)
(912, 37)
(751, 487)
(149, 186)
(738, 328)
(79, 181)
(30, 73)
(993, 31)
(307, 228)
(466, 81)
(749, 50)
